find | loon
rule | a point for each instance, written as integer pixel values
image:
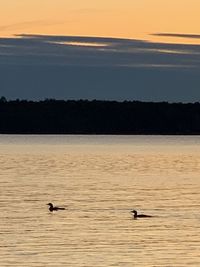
(135, 215)
(52, 208)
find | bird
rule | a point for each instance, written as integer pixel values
(136, 215)
(52, 208)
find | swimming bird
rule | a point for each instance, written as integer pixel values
(52, 208)
(136, 215)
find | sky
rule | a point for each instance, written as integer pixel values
(100, 49)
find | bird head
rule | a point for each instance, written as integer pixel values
(134, 212)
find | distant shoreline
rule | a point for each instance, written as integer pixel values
(83, 117)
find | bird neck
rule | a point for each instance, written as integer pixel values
(135, 214)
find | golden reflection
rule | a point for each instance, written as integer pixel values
(99, 179)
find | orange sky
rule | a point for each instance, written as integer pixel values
(135, 19)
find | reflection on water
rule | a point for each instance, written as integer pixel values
(99, 180)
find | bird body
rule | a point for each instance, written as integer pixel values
(136, 215)
(52, 208)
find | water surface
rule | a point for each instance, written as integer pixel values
(99, 180)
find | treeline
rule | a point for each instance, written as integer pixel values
(98, 117)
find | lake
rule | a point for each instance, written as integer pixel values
(99, 180)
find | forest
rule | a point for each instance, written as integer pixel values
(98, 117)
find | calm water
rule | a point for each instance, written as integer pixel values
(99, 179)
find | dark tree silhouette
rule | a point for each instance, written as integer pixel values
(98, 117)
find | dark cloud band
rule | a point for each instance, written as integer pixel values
(178, 35)
(73, 67)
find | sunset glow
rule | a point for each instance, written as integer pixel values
(135, 19)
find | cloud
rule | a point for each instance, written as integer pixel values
(96, 51)
(178, 35)
(28, 24)
(40, 66)
(91, 10)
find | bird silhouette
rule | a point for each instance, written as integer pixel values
(52, 208)
(136, 215)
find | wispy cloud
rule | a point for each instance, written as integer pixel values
(28, 24)
(178, 35)
(92, 10)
